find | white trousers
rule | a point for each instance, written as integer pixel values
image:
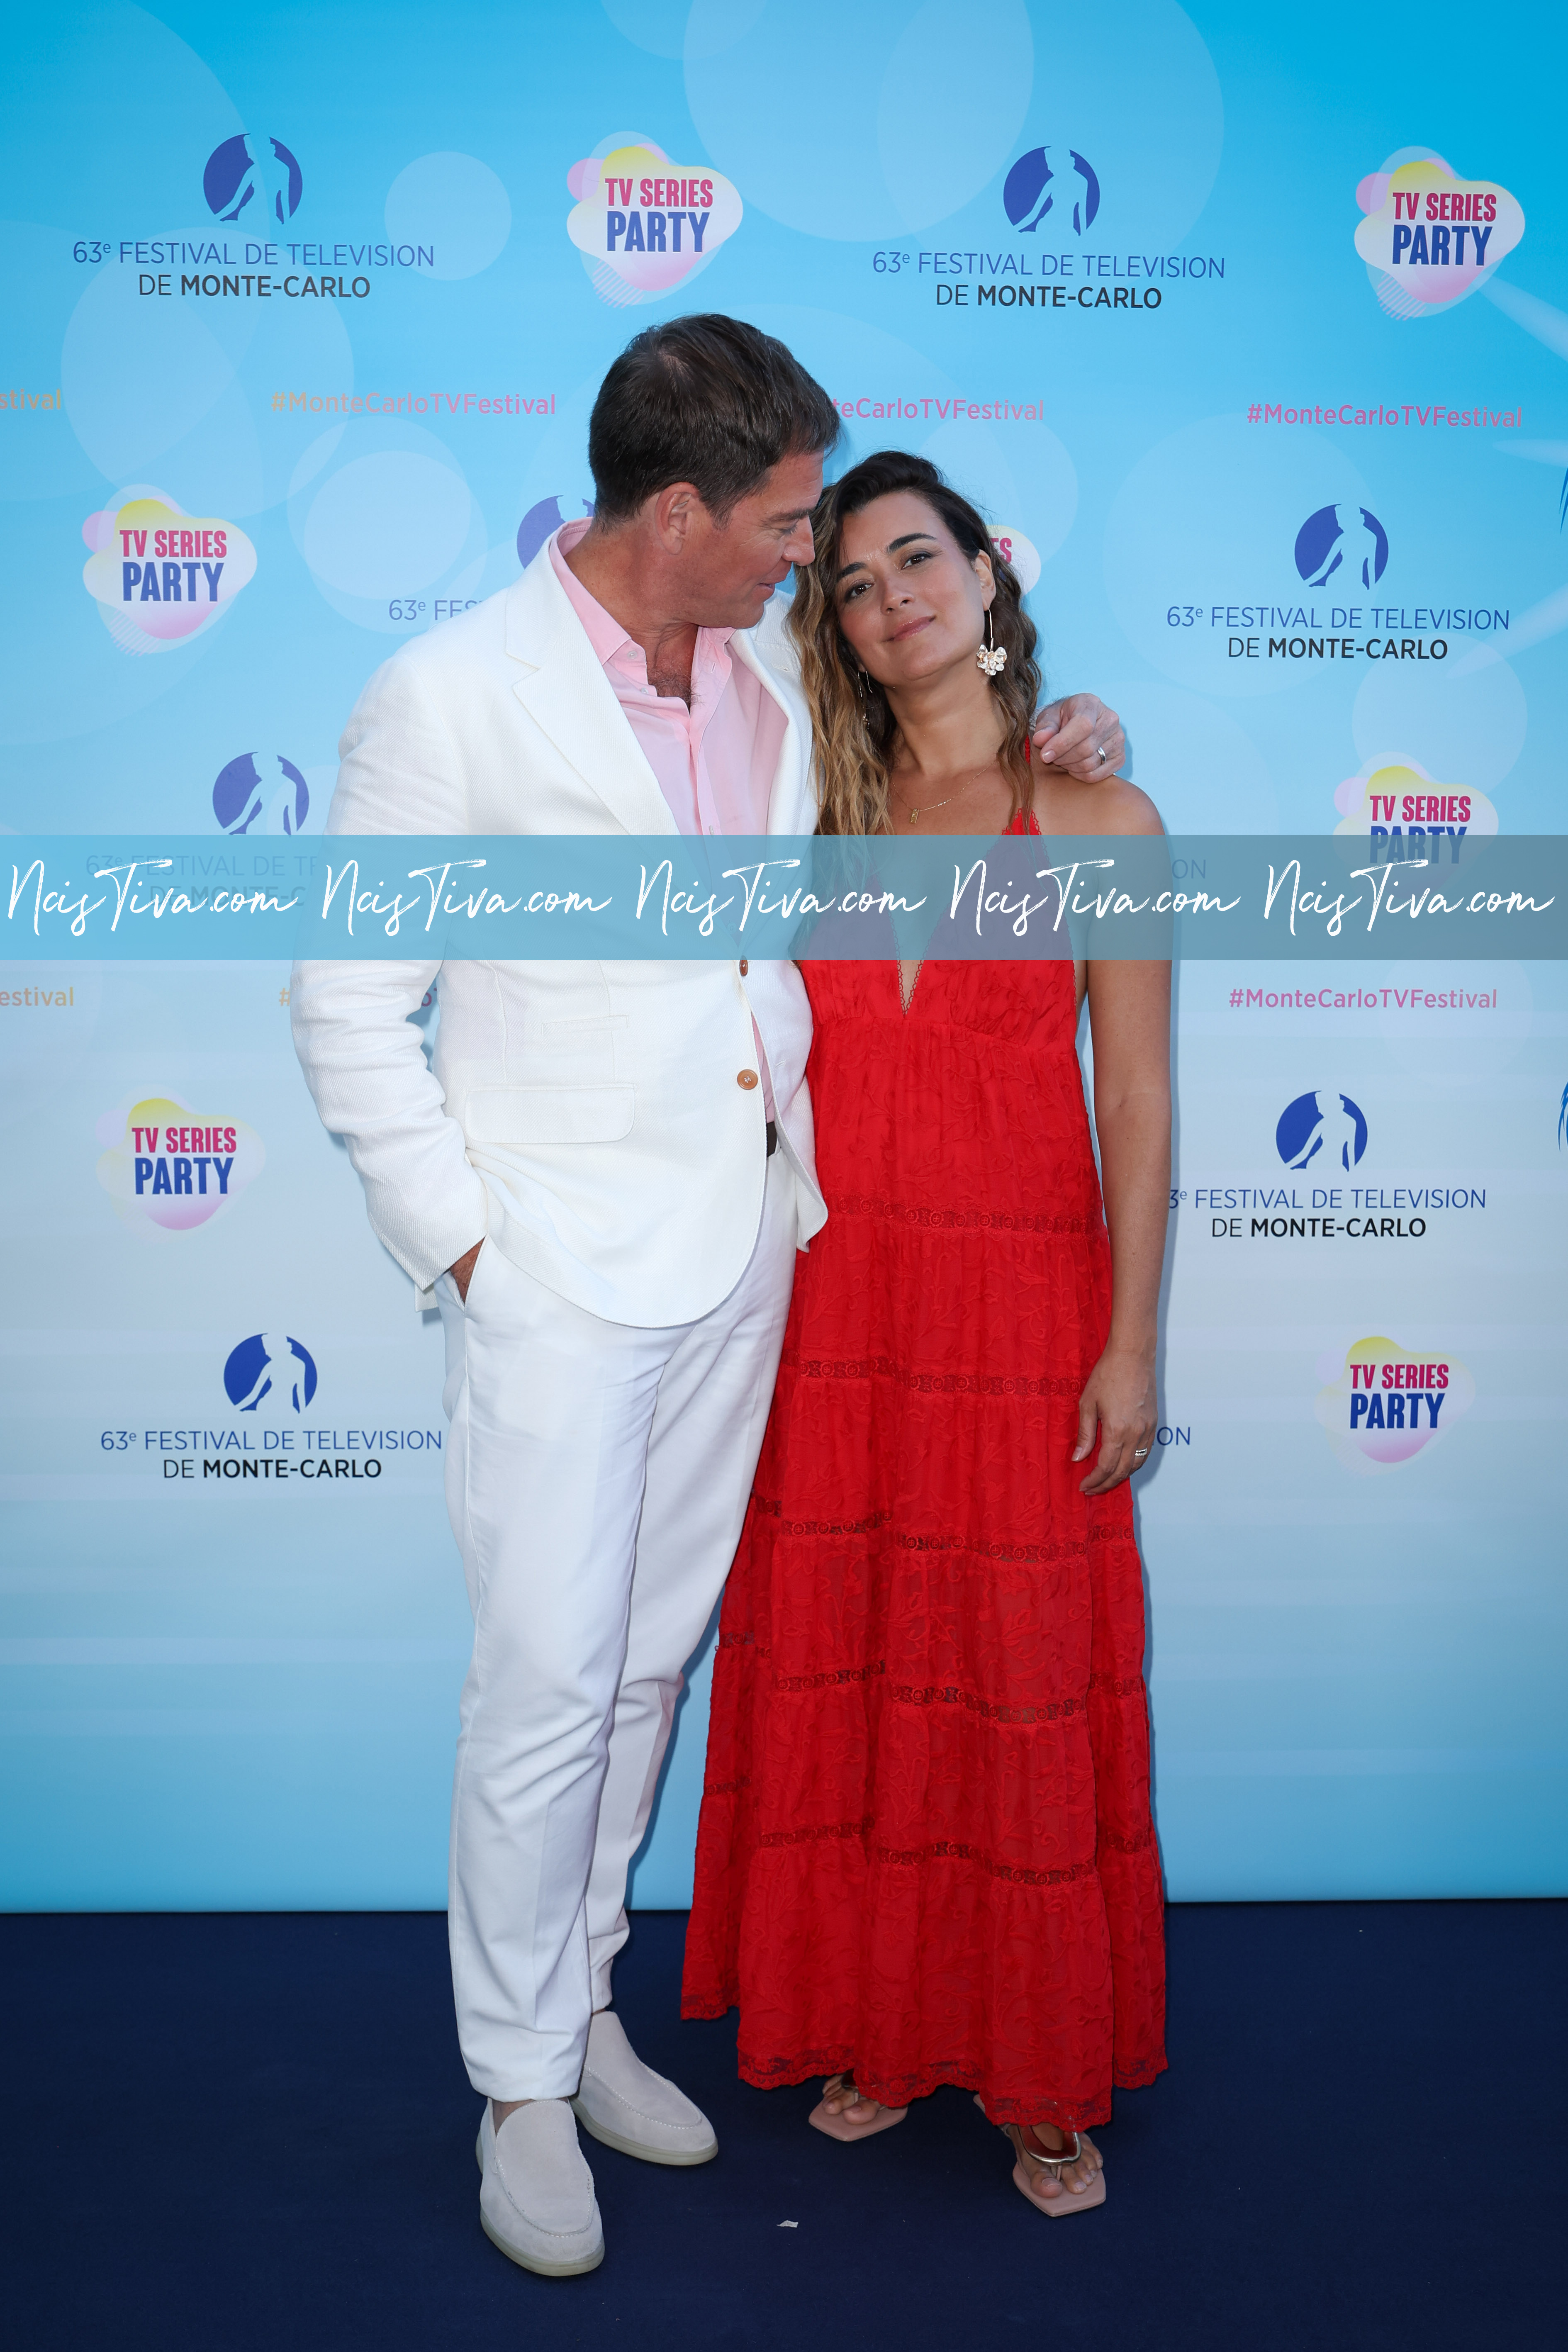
(597, 1476)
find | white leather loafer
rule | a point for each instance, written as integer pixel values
(536, 2202)
(628, 2106)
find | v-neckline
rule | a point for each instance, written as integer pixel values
(907, 1000)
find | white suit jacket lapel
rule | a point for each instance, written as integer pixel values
(770, 655)
(561, 684)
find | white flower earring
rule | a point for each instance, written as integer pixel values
(992, 658)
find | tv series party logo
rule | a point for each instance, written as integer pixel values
(160, 575)
(253, 181)
(1430, 238)
(1389, 1404)
(171, 1168)
(261, 791)
(1400, 804)
(645, 225)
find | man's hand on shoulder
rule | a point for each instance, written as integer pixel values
(1074, 733)
(462, 1269)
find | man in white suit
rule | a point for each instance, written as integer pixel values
(603, 1185)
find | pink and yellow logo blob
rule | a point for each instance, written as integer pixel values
(1402, 798)
(1021, 552)
(160, 575)
(1429, 237)
(171, 1168)
(642, 224)
(1390, 1402)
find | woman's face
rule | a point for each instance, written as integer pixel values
(909, 602)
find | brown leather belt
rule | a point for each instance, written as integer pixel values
(772, 1137)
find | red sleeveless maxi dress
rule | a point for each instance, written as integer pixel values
(926, 1848)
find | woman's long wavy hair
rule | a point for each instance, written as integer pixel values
(856, 735)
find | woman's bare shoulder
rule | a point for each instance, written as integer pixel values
(1109, 806)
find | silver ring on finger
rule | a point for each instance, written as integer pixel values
(1139, 1452)
(1100, 754)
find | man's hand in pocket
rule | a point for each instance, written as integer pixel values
(462, 1269)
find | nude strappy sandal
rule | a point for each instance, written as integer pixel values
(839, 2127)
(1035, 2160)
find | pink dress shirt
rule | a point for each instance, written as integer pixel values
(714, 758)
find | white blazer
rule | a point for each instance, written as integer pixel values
(587, 1118)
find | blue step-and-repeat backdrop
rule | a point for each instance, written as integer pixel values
(1250, 330)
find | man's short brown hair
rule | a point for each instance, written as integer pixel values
(705, 400)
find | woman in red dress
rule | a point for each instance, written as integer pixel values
(926, 1854)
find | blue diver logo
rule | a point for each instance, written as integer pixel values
(1029, 192)
(539, 523)
(271, 1364)
(1324, 1127)
(255, 182)
(261, 790)
(1348, 538)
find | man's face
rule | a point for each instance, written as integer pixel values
(731, 569)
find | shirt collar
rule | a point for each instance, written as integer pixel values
(601, 629)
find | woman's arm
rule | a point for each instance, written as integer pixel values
(1130, 1020)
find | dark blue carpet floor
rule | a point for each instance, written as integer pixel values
(233, 2134)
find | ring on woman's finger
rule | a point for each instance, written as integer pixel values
(1139, 1452)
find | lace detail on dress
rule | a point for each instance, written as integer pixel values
(1141, 1843)
(1035, 1555)
(944, 1850)
(814, 1836)
(1053, 1712)
(866, 1368)
(775, 1509)
(955, 1221)
(941, 1850)
(827, 1681)
(1038, 1555)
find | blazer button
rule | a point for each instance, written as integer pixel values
(747, 1079)
(746, 967)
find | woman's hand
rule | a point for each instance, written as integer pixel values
(1119, 1395)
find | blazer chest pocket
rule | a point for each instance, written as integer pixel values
(582, 1051)
(537, 1115)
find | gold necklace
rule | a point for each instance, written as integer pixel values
(915, 814)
